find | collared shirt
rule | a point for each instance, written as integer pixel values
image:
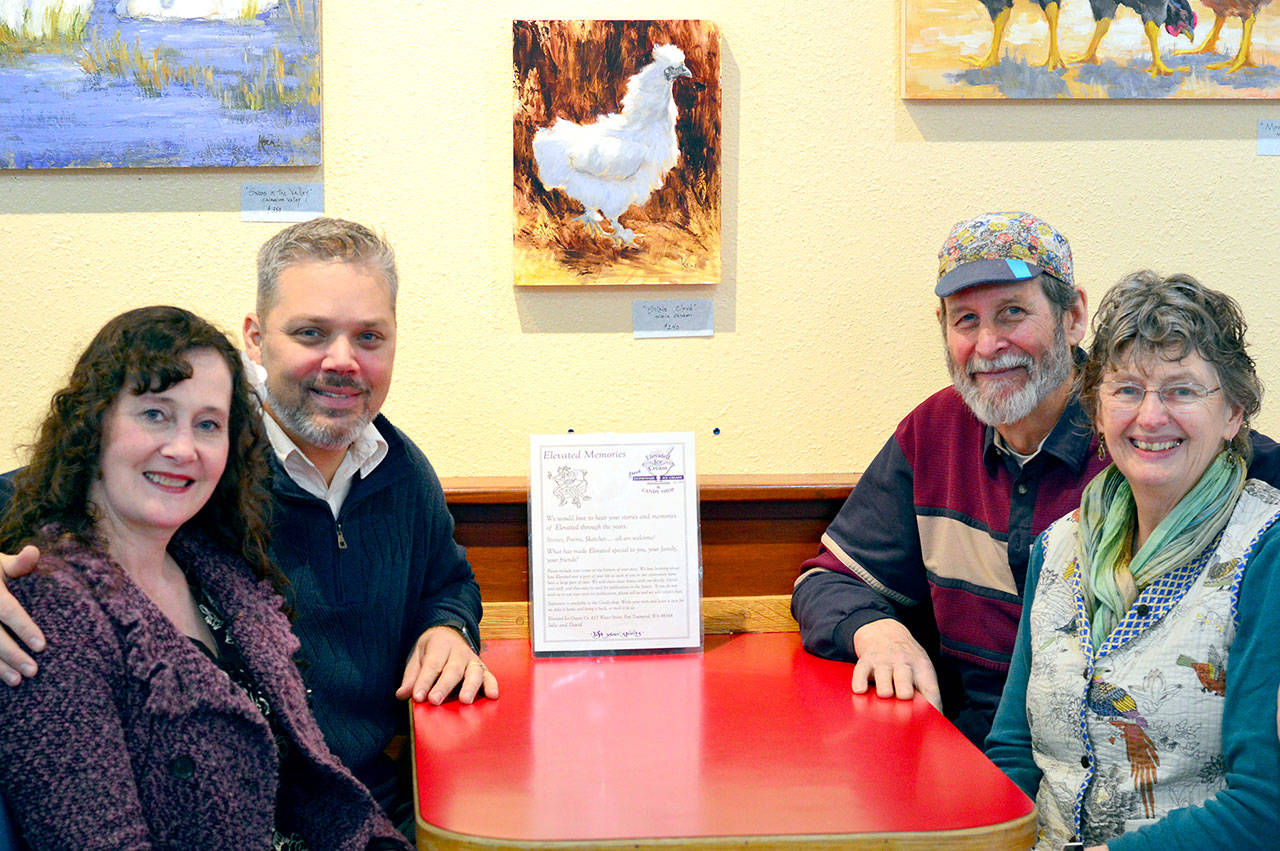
(365, 453)
(1003, 446)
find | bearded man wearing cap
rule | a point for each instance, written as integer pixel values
(919, 578)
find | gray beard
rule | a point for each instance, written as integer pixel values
(1043, 378)
(298, 421)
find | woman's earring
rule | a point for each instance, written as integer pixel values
(1102, 450)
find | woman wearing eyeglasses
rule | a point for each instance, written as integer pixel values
(1140, 707)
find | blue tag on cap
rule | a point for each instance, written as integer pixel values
(1019, 269)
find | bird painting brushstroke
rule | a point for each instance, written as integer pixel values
(999, 10)
(618, 160)
(1176, 16)
(1247, 12)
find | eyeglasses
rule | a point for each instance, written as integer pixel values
(1128, 396)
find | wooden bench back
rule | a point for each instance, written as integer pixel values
(756, 531)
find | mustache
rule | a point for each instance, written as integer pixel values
(1010, 360)
(335, 381)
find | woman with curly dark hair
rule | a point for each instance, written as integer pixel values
(167, 711)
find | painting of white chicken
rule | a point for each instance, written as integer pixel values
(616, 152)
(616, 162)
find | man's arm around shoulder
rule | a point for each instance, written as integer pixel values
(18, 632)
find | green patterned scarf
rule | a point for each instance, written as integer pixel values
(1110, 579)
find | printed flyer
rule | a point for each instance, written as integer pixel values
(614, 557)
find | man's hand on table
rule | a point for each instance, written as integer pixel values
(15, 662)
(889, 656)
(441, 659)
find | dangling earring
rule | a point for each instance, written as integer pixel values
(1102, 449)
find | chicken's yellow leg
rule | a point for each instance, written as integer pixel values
(1158, 68)
(1090, 54)
(1210, 44)
(1242, 59)
(1054, 59)
(993, 55)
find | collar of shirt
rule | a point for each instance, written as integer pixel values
(1003, 446)
(1070, 441)
(363, 456)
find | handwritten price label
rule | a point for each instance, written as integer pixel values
(281, 202)
(1268, 137)
(690, 317)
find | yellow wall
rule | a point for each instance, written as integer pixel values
(837, 196)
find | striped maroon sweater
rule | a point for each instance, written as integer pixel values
(937, 534)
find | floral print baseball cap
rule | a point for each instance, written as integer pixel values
(1001, 248)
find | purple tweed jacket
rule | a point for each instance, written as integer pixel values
(129, 737)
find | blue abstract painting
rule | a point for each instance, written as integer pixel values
(159, 83)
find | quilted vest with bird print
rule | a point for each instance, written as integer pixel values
(1125, 735)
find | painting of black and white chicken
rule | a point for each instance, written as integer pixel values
(999, 11)
(1176, 16)
(616, 162)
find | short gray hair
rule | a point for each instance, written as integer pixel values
(321, 240)
(1146, 315)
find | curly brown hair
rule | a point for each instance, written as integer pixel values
(1149, 316)
(143, 350)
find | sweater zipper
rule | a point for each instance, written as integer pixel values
(342, 542)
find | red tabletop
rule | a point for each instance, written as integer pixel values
(754, 737)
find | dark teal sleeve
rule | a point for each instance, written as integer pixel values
(1009, 743)
(1246, 814)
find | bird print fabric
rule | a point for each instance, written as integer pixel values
(1212, 673)
(1121, 711)
(1128, 727)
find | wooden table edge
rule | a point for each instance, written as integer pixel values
(1019, 833)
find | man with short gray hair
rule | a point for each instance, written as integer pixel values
(919, 579)
(360, 528)
(386, 604)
